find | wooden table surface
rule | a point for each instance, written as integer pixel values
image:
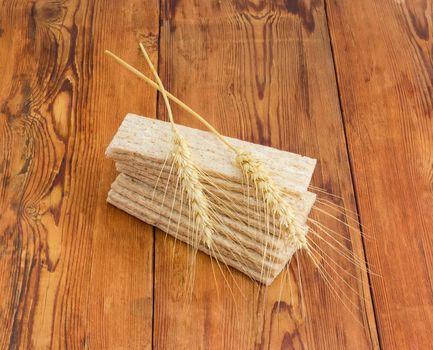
(347, 82)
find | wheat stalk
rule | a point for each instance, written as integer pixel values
(252, 168)
(255, 172)
(187, 172)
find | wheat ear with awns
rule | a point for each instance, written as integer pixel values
(245, 205)
(254, 171)
(187, 172)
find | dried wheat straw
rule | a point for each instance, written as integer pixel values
(275, 205)
(275, 202)
(253, 169)
(187, 172)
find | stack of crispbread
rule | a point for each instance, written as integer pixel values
(147, 188)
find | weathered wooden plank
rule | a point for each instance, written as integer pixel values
(74, 271)
(261, 72)
(383, 52)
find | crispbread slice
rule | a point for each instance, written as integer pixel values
(225, 250)
(167, 203)
(154, 219)
(245, 236)
(152, 140)
(224, 191)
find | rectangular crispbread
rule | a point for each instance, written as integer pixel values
(147, 188)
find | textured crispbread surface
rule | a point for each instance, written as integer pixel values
(301, 202)
(153, 139)
(243, 238)
(243, 253)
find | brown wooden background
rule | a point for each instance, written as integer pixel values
(347, 82)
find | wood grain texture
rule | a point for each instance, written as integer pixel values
(74, 271)
(77, 273)
(261, 71)
(383, 54)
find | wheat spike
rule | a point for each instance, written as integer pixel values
(190, 183)
(187, 172)
(252, 168)
(256, 173)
